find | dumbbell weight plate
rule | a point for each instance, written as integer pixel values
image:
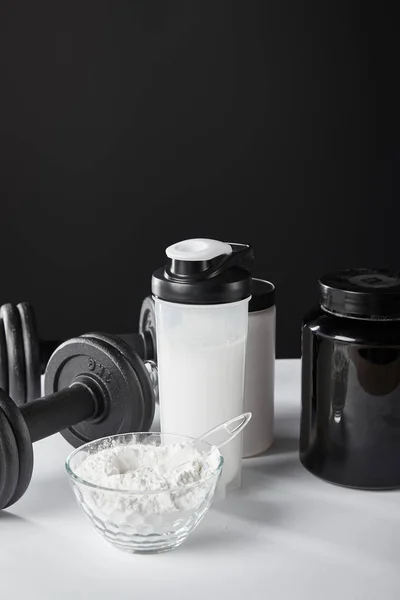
(113, 373)
(32, 352)
(140, 370)
(147, 322)
(23, 447)
(3, 358)
(9, 461)
(15, 358)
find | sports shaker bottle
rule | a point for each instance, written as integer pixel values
(201, 304)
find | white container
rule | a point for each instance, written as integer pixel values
(201, 345)
(260, 369)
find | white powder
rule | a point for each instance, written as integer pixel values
(139, 468)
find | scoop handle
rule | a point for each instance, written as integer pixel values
(222, 434)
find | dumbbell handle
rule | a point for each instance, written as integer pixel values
(60, 410)
(35, 421)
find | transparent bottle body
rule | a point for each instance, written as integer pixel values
(201, 366)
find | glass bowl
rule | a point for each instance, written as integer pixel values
(133, 520)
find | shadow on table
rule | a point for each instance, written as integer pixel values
(12, 518)
(8, 518)
(213, 540)
(256, 511)
(286, 438)
(282, 444)
(277, 467)
(263, 474)
(50, 494)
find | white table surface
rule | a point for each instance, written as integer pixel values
(284, 535)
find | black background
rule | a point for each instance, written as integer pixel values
(126, 126)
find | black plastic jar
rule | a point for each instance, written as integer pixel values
(350, 418)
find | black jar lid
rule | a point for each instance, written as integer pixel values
(262, 295)
(362, 293)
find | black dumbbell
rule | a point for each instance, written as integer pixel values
(23, 357)
(95, 386)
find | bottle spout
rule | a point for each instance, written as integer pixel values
(198, 249)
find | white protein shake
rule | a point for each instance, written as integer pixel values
(195, 400)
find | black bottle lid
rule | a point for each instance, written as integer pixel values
(262, 295)
(203, 271)
(362, 293)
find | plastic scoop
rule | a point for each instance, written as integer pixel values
(217, 437)
(224, 433)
